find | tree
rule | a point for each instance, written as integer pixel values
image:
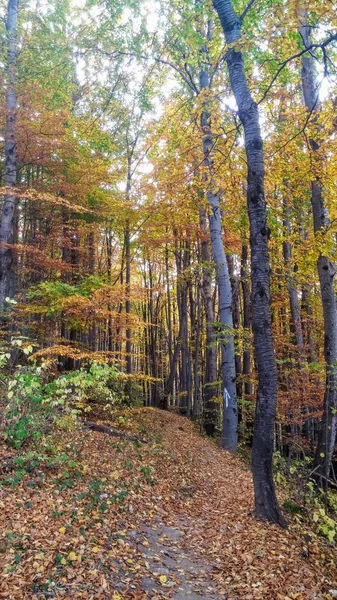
(230, 417)
(325, 266)
(10, 198)
(266, 505)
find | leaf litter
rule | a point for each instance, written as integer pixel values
(168, 519)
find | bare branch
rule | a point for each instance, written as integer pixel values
(247, 9)
(321, 45)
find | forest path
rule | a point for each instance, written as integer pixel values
(168, 519)
(173, 571)
(208, 543)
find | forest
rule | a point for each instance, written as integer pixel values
(168, 308)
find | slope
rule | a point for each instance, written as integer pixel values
(108, 518)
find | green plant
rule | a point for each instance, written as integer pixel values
(147, 471)
(290, 507)
(326, 525)
(77, 388)
(36, 399)
(32, 462)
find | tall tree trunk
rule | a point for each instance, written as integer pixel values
(153, 335)
(108, 241)
(308, 321)
(236, 321)
(10, 199)
(70, 256)
(128, 345)
(230, 420)
(182, 262)
(196, 398)
(210, 384)
(266, 505)
(326, 271)
(169, 305)
(127, 246)
(295, 308)
(295, 325)
(246, 302)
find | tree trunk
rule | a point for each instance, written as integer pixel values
(196, 398)
(236, 322)
(230, 418)
(127, 246)
(169, 305)
(210, 385)
(266, 505)
(295, 308)
(128, 345)
(326, 273)
(10, 199)
(246, 301)
(182, 262)
(153, 335)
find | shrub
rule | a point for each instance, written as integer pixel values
(35, 399)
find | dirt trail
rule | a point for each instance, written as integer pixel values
(168, 519)
(173, 571)
(230, 554)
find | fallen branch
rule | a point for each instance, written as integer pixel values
(111, 431)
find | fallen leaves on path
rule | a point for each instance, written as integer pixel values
(169, 519)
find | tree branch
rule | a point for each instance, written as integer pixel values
(113, 432)
(247, 9)
(322, 46)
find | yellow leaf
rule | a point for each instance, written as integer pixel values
(114, 475)
(63, 561)
(163, 579)
(116, 596)
(95, 549)
(72, 556)
(145, 543)
(62, 530)
(40, 556)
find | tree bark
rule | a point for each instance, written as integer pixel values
(10, 199)
(236, 322)
(246, 301)
(196, 398)
(182, 256)
(230, 419)
(266, 504)
(169, 305)
(128, 344)
(210, 384)
(153, 340)
(295, 308)
(326, 272)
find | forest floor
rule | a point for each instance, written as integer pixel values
(171, 518)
